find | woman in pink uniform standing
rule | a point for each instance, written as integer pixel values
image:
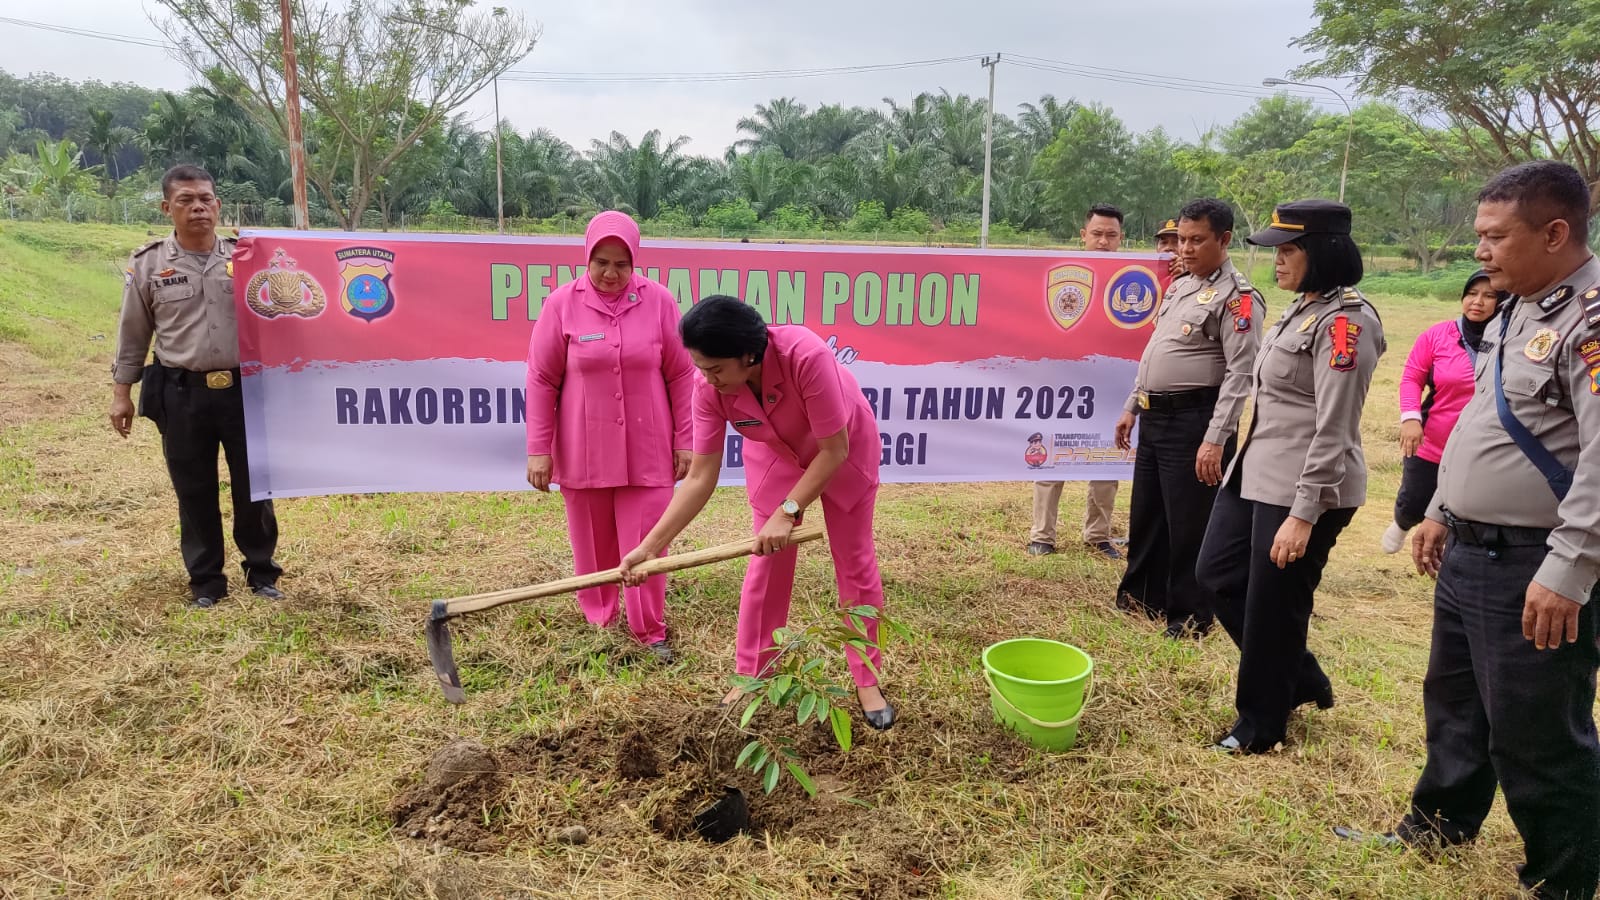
(610, 389)
(1442, 362)
(808, 435)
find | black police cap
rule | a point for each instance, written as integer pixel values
(1291, 221)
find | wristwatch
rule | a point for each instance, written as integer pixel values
(790, 509)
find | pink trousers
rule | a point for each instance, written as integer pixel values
(604, 523)
(769, 586)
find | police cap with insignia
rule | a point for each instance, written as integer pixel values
(1169, 227)
(1292, 221)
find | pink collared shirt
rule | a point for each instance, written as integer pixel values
(609, 389)
(806, 395)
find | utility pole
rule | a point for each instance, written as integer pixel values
(988, 148)
(297, 146)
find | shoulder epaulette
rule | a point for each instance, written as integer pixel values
(148, 247)
(1591, 306)
(1242, 282)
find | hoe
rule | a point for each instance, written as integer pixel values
(438, 627)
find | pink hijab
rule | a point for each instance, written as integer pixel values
(611, 224)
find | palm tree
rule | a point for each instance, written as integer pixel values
(832, 128)
(779, 125)
(106, 139)
(640, 179)
(1040, 124)
(768, 180)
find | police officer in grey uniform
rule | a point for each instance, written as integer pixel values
(1513, 537)
(1191, 387)
(179, 290)
(1299, 474)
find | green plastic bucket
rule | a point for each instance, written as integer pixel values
(1046, 680)
(1056, 736)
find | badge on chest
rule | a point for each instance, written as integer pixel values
(1540, 345)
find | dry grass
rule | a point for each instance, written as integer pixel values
(148, 750)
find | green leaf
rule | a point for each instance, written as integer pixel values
(746, 683)
(759, 758)
(745, 754)
(750, 712)
(779, 690)
(804, 779)
(771, 780)
(811, 666)
(779, 636)
(822, 710)
(841, 727)
(865, 611)
(808, 703)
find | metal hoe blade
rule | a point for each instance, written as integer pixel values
(442, 655)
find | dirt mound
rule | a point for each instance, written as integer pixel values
(636, 757)
(463, 789)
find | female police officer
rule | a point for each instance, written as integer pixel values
(1299, 474)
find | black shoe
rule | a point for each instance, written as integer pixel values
(1230, 744)
(1322, 697)
(267, 592)
(1128, 603)
(1040, 548)
(1106, 549)
(1188, 628)
(879, 719)
(202, 602)
(1388, 840)
(661, 651)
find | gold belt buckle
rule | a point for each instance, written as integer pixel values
(1144, 399)
(219, 380)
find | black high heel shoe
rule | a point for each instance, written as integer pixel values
(878, 719)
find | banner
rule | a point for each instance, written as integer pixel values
(395, 362)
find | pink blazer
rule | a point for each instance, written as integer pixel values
(610, 389)
(807, 395)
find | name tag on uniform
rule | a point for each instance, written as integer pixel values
(586, 338)
(747, 423)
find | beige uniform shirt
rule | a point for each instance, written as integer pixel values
(1205, 337)
(1302, 447)
(185, 302)
(1552, 385)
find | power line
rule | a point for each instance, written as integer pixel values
(555, 77)
(89, 33)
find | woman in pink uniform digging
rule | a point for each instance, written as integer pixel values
(609, 395)
(809, 435)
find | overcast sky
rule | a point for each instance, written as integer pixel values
(1237, 42)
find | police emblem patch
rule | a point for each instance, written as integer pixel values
(1067, 293)
(1306, 325)
(1239, 308)
(1594, 380)
(1345, 333)
(368, 276)
(1205, 296)
(1131, 297)
(1540, 345)
(1589, 352)
(127, 277)
(283, 290)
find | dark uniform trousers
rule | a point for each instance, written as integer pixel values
(1167, 517)
(195, 421)
(1265, 609)
(1419, 479)
(1499, 710)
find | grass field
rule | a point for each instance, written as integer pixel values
(147, 750)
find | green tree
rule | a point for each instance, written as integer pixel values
(378, 73)
(1274, 123)
(779, 126)
(1087, 163)
(1516, 81)
(642, 178)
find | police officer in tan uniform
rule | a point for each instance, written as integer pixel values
(1102, 233)
(1299, 474)
(1191, 386)
(179, 290)
(1167, 242)
(1513, 537)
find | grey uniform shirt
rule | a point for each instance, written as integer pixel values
(1205, 337)
(182, 300)
(1552, 385)
(1302, 447)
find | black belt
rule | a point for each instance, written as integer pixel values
(1482, 534)
(216, 380)
(1173, 400)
